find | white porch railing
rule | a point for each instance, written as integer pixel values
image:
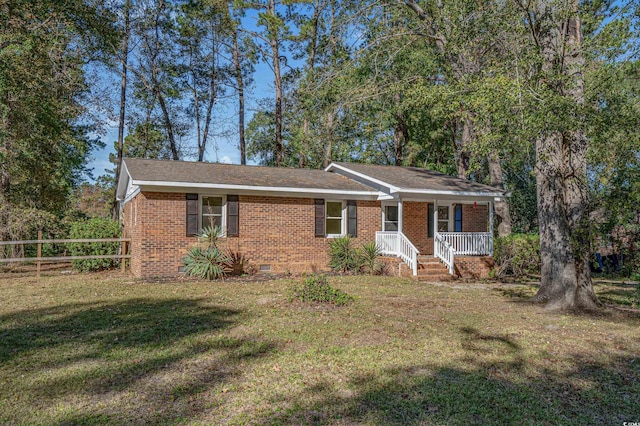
(445, 252)
(393, 243)
(470, 243)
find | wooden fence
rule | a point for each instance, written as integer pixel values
(39, 242)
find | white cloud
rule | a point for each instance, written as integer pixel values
(226, 160)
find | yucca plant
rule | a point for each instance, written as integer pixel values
(210, 235)
(343, 255)
(209, 263)
(369, 254)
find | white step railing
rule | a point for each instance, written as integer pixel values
(469, 243)
(445, 252)
(393, 243)
(387, 242)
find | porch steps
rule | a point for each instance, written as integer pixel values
(430, 269)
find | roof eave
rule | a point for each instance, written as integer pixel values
(148, 185)
(404, 192)
(123, 181)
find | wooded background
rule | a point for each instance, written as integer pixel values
(537, 96)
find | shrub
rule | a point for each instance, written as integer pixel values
(344, 256)
(94, 228)
(369, 253)
(209, 263)
(316, 289)
(517, 255)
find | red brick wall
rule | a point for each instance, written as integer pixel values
(133, 230)
(475, 219)
(415, 226)
(274, 231)
(473, 267)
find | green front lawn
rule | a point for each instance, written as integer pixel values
(94, 349)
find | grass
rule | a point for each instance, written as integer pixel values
(100, 349)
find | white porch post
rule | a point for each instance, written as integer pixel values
(435, 225)
(435, 217)
(399, 216)
(491, 216)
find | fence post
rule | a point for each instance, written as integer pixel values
(39, 251)
(123, 261)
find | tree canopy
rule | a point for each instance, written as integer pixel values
(539, 98)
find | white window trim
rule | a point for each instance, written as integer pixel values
(384, 219)
(450, 218)
(224, 211)
(343, 225)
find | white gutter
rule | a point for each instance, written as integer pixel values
(452, 193)
(253, 188)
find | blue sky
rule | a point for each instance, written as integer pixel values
(220, 148)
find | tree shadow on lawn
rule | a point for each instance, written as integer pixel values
(142, 360)
(618, 294)
(619, 302)
(480, 389)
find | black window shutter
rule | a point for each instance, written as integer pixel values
(319, 215)
(352, 218)
(457, 218)
(192, 215)
(430, 221)
(233, 210)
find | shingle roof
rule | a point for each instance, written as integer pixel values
(413, 178)
(231, 174)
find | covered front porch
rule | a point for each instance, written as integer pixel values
(442, 228)
(428, 213)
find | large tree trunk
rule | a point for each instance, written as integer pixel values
(462, 148)
(328, 149)
(561, 174)
(115, 210)
(196, 107)
(213, 94)
(240, 83)
(167, 123)
(313, 47)
(400, 131)
(275, 57)
(501, 206)
(564, 235)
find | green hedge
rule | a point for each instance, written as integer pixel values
(517, 255)
(94, 228)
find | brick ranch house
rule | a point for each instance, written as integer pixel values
(282, 219)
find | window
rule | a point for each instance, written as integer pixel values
(457, 218)
(333, 218)
(390, 218)
(443, 218)
(449, 218)
(212, 212)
